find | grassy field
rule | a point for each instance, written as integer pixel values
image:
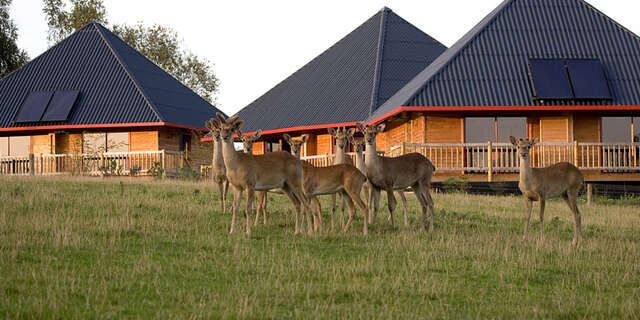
(112, 249)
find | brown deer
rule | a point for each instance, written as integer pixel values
(359, 146)
(339, 178)
(410, 170)
(539, 184)
(247, 146)
(247, 172)
(218, 170)
(341, 138)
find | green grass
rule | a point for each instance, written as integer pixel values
(72, 248)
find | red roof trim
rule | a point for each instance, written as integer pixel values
(313, 127)
(105, 125)
(500, 108)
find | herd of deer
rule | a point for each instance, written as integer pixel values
(302, 183)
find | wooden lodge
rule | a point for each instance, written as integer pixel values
(92, 101)
(558, 70)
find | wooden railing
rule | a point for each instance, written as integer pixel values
(121, 163)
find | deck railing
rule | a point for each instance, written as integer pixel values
(121, 163)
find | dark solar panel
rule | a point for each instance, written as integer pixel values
(60, 106)
(587, 79)
(33, 107)
(550, 79)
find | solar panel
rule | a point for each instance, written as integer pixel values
(550, 79)
(33, 107)
(587, 79)
(60, 106)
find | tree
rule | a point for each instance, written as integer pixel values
(11, 57)
(160, 44)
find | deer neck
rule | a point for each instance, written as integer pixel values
(371, 156)
(339, 155)
(360, 160)
(217, 152)
(230, 155)
(526, 174)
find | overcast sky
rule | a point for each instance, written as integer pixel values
(256, 44)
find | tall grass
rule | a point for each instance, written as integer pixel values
(112, 249)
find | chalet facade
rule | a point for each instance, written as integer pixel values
(343, 85)
(93, 94)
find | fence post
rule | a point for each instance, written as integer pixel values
(403, 148)
(32, 164)
(575, 153)
(490, 162)
(164, 168)
(41, 164)
(589, 193)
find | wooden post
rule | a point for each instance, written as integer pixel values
(490, 162)
(162, 163)
(589, 193)
(403, 148)
(41, 164)
(575, 153)
(32, 164)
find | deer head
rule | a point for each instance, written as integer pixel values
(214, 127)
(524, 146)
(296, 145)
(341, 136)
(228, 127)
(358, 144)
(370, 132)
(247, 140)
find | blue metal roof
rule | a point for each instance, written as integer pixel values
(117, 84)
(348, 81)
(489, 65)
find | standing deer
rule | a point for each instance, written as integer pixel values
(339, 178)
(247, 172)
(218, 170)
(341, 138)
(261, 204)
(358, 146)
(410, 170)
(539, 184)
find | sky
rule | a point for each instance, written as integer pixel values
(253, 45)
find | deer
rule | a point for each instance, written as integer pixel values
(261, 203)
(359, 146)
(250, 173)
(339, 178)
(410, 170)
(218, 170)
(539, 184)
(341, 138)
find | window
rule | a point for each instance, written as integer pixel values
(511, 126)
(185, 142)
(479, 130)
(484, 129)
(94, 142)
(636, 129)
(560, 79)
(4, 146)
(117, 142)
(616, 129)
(273, 146)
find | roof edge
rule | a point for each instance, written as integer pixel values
(379, 53)
(102, 125)
(300, 128)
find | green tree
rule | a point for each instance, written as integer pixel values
(160, 44)
(11, 57)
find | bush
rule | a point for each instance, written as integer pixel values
(457, 185)
(186, 173)
(134, 171)
(156, 170)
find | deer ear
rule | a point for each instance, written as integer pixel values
(360, 127)
(534, 140)
(351, 132)
(380, 127)
(304, 138)
(513, 140)
(351, 139)
(220, 117)
(286, 138)
(239, 132)
(332, 131)
(257, 135)
(237, 124)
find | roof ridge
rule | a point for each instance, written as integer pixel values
(379, 53)
(589, 6)
(144, 95)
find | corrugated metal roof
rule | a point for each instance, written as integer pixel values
(116, 83)
(349, 80)
(489, 65)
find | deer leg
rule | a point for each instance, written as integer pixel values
(258, 207)
(297, 192)
(296, 206)
(417, 190)
(355, 196)
(529, 204)
(333, 208)
(319, 212)
(427, 195)
(225, 194)
(352, 210)
(237, 197)
(572, 202)
(542, 203)
(250, 198)
(404, 206)
(374, 198)
(343, 205)
(222, 197)
(264, 208)
(391, 201)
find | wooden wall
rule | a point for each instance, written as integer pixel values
(258, 147)
(43, 143)
(554, 129)
(323, 144)
(143, 140)
(68, 143)
(445, 129)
